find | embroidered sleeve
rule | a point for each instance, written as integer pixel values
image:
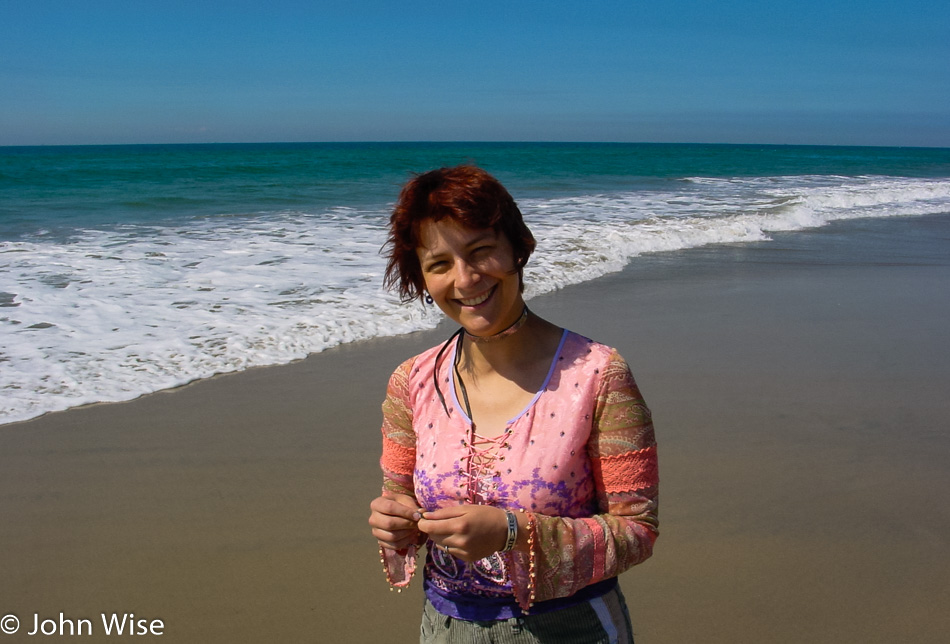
(398, 462)
(568, 554)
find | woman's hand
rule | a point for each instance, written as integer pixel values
(469, 532)
(394, 519)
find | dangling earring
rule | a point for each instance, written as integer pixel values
(429, 299)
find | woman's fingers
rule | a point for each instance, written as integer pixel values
(396, 506)
(394, 520)
(396, 540)
(391, 514)
(470, 532)
(390, 522)
(450, 512)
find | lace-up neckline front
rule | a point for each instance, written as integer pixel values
(484, 454)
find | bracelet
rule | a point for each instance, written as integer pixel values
(512, 531)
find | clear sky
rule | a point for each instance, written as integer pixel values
(864, 72)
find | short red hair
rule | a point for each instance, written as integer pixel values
(466, 194)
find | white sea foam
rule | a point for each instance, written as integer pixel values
(583, 238)
(113, 314)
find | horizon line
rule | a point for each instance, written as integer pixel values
(469, 142)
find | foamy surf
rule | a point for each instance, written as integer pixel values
(111, 314)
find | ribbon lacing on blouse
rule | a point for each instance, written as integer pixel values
(478, 470)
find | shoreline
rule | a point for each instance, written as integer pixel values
(798, 391)
(99, 311)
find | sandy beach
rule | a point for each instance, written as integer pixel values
(799, 394)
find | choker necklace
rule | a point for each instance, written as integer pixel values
(501, 334)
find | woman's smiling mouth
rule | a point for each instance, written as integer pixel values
(475, 301)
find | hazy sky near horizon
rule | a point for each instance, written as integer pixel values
(735, 71)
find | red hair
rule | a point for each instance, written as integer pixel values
(466, 194)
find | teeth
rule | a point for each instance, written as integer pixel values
(477, 300)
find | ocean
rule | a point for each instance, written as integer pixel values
(126, 270)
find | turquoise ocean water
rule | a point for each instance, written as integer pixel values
(130, 269)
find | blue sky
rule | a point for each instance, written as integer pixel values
(798, 72)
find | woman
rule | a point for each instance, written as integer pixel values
(520, 453)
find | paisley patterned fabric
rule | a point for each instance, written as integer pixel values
(580, 458)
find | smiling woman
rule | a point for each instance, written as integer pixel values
(465, 195)
(537, 489)
(470, 274)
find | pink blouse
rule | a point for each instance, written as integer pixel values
(580, 459)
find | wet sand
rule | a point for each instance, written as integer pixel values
(799, 393)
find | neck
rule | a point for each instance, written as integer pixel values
(509, 350)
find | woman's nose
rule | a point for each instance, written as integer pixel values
(466, 274)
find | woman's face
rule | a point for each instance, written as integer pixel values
(471, 274)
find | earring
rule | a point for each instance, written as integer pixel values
(428, 298)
